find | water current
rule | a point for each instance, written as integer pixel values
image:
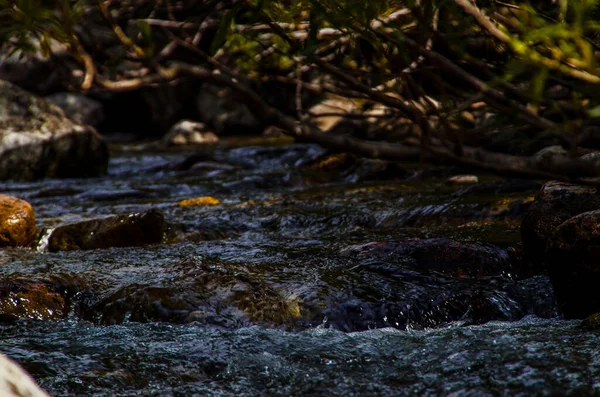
(296, 284)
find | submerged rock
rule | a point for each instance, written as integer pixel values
(555, 203)
(206, 293)
(573, 263)
(38, 141)
(15, 382)
(17, 222)
(115, 231)
(451, 258)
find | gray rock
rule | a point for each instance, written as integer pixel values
(592, 156)
(219, 108)
(37, 140)
(15, 382)
(78, 107)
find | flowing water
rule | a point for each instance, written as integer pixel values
(365, 281)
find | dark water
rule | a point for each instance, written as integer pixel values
(295, 284)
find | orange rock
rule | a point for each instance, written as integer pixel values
(17, 222)
(206, 200)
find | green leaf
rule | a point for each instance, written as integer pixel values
(224, 28)
(145, 30)
(538, 84)
(594, 112)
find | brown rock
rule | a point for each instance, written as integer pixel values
(573, 263)
(115, 231)
(31, 300)
(17, 222)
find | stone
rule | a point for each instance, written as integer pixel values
(204, 292)
(187, 133)
(17, 222)
(115, 231)
(463, 180)
(37, 140)
(15, 382)
(79, 107)
(442, 255)
(572, 260)
(554, 204)
(29, 299)
(226, 115)
(34, 72)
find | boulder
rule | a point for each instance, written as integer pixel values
(554, 204)
(37, 140)
(187, 132)
(442, 255)
(17, 222)
(36, 73)
(79, 107)
(573, 263)
(115, 231)
(220, 109)
(15, 382)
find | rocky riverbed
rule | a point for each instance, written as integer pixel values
(283, 270)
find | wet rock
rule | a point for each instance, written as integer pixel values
(115, 231)
(79, 107)
(408, 299)
(31, 299)
(206, 293)
(219, 108)
(17, 222)
(555, 203)
(15, 382)
(572, 261)
(37, 140)
(451, 258)
(187, 132)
